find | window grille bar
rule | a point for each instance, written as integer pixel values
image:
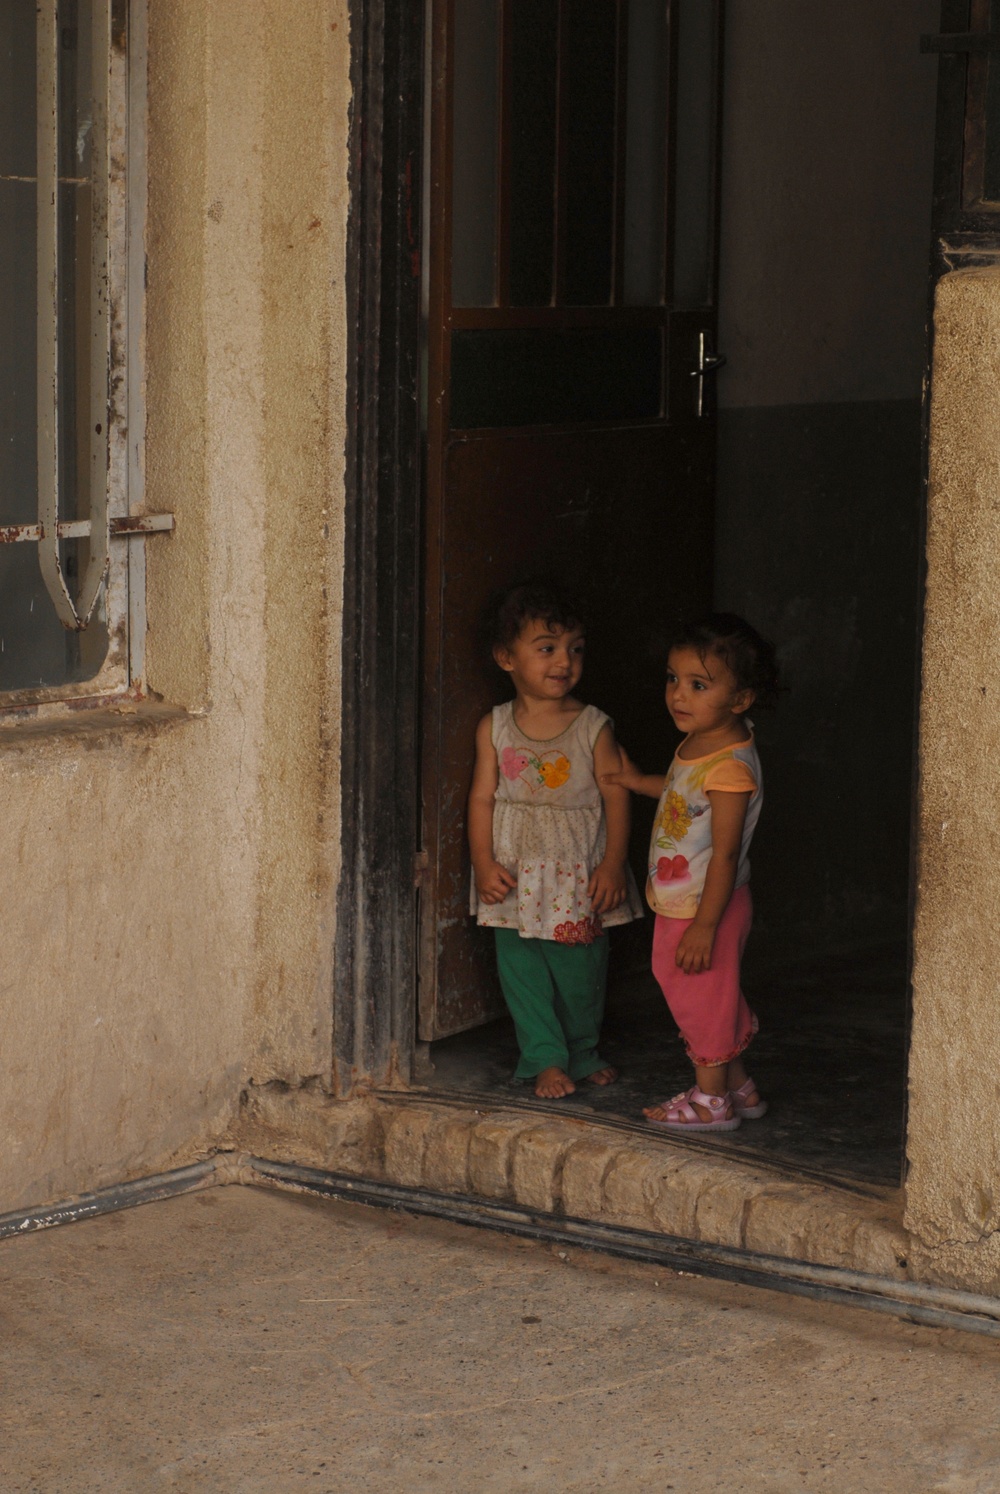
(123, 528)
(100, 321)
(47, 293)
(72, 614)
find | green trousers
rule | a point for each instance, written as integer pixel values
(555, 993)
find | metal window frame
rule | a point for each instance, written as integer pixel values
(116, 568)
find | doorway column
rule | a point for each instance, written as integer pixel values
(953, 1142)
(375, 956)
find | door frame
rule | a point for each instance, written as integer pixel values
(374, 969)
(375, 962)
(376, 948)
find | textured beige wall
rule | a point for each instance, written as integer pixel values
(953, 1189)
(168, 888)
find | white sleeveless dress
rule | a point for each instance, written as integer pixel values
(549, 832)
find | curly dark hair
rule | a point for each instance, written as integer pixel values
(538, 599)
(750, 658)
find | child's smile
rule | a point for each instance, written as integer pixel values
(545, 662)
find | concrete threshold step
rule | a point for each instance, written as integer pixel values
(581, 1168)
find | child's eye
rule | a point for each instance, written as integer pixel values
(699, 685)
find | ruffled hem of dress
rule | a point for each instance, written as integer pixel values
(715, 1063)
(487, 919)
(538, 910)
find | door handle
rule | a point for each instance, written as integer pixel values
(708, 363)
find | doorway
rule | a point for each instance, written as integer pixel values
(570, 273)
(666, 181)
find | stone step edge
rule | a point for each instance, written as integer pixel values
(615, 1128)
(573, 1167)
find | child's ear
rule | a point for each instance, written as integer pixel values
(503, 659)
(743, 701)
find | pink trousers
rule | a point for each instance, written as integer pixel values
(709, 1008)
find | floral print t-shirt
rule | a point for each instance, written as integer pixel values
(549, 832)
(681, 845)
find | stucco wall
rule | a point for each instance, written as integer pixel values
(168, 887)
(953, 1190)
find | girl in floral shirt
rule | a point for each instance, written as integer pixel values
(699, 870)
(549, 842)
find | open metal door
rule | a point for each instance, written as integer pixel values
(570, 290)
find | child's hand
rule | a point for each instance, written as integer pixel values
(607, 887)
(694, 952)
(628, 776)
(494, 882)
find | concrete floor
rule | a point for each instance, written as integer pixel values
(237, 1340)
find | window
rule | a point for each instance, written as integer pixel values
(70, 159)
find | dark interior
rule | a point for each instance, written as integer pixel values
(825, 202)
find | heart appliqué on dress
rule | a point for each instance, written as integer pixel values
(550, 772)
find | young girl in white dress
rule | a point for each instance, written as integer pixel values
(549, 842)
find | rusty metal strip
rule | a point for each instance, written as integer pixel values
(111, 1200)
(123, 528)
(141, 524)
(19, 534)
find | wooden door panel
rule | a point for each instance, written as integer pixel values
(622, 517)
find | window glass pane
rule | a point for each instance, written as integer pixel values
(589, 84)
(17, 265)
(17, 352)
(511, 378)
(35, 649)
(474, 153)
(17, 90)
(695, 151)
(645, 162)
(533, 38)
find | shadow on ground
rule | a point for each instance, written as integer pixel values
(830, 1057)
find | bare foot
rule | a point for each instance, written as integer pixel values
(603, 1076)
(553, 1084)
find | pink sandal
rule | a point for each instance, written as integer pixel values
(739, 1098)
(682, 1116)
